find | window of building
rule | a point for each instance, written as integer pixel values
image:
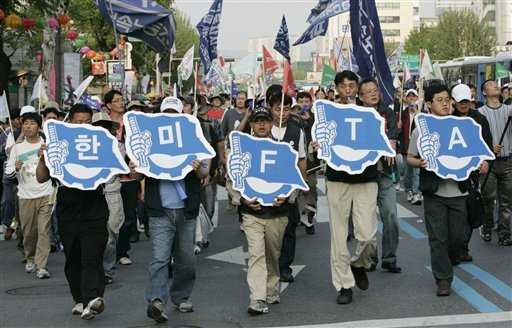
(390, 32)
(388, 5)
(389, 19)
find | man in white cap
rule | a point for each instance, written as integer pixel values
(172, 207)
(462, 97)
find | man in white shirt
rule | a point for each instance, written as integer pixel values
(34, 197)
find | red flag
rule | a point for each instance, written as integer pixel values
(288, 82)
(221, 61)
(268, 62)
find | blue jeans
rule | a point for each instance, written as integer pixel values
(8, 206)
(412, 179)
(386, 201)
(171, 235)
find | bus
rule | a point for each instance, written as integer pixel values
(475, 70)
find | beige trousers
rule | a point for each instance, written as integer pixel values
(35, 220)
(362, 199)
(264, 239)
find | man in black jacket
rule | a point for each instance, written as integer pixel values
(172, 207)
(386, 200)
(264, 228)
(462, 97)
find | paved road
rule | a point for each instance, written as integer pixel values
(482, 297)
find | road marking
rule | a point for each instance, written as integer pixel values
(411, 230)
(489, 280)
(445, 320)
(404, 212)
(235, 255)
(479, 302)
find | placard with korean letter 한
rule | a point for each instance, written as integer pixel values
(82, 156)
(452, 146)
(164, 145)
(351, 137)
(263, 169)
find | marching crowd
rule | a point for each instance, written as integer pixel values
(95, 228)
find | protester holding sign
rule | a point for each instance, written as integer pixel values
(444, 199)
(35, 206)
(499, 183)
(292, 134)
(264, 227)
(82, 225)
(356, 195)
(172, 207)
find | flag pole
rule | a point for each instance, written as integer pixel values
(402, 95)
(195, 89)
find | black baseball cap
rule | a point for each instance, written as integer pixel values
(261, 113)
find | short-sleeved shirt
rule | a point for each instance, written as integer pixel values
(231, 120)
(447, 187)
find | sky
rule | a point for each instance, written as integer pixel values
(245, 19)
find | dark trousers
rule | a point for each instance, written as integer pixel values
(447, 225)
(289, 239)
(84, 244)
(129, 190)
(498, 187)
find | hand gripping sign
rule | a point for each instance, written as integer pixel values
(263, 169)
(164, 145)
(82, 156)
(351, 137)
(452, 146)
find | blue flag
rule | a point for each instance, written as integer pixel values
(263, 169)
(452, 146)
(208, 29)
(82, 156)
(164, 145)
(351, 137)
(320, 6)
(320, 23)
(234, 88)
(369, 46)
(145, 20)
(282, 44)
(86, 99)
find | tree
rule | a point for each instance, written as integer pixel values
(459, 33)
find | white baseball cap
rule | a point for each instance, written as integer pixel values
(171, 103)
(414, 92)
(461, 92)
(27, 109)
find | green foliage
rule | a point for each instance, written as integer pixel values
(459, 33)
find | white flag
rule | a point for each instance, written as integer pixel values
(4, 107)
(426, 70)
(187, 65)
(437, 71)
(396, 81)
(39, 91)
(145, 83)
(79, 91)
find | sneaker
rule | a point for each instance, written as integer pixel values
(443, 288)
(485, 234)
(156, 312)
(391, 267)
(125, 260)
(30, 267)
(410, 195)
(310, 230)
(360, 277)
(273, 299)
(77, 309)
(42, 274)
(397, 187)
(109, 280)
(257, 307)
(416, 199)
(95, 307)
(344, 296)
(8, 233)
(505, 241)
(185, 307)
